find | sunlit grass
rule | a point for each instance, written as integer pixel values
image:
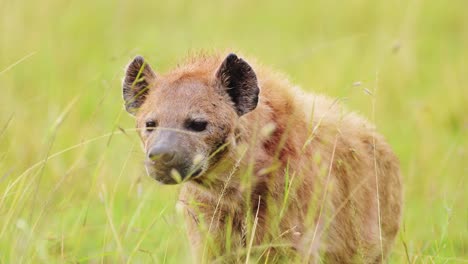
(72, 184)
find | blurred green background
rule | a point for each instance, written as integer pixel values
(72, 186)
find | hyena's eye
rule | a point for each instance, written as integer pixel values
(196, 125)
(150, 125)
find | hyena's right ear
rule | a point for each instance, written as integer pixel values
(138, 78)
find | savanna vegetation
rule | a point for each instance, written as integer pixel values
(72, 184)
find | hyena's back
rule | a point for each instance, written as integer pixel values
(365, 193)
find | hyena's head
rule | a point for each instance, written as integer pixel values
(187, 118)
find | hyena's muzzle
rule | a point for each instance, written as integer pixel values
(172, 157)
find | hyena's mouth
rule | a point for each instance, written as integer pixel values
(174, 175)
(197, 172)
(199, 166)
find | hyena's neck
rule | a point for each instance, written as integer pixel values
(223, 185)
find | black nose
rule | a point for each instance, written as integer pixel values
(162, 154)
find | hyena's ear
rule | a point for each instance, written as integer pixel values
(137, 81)
(238, 79)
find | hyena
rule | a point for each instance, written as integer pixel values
(268, 171)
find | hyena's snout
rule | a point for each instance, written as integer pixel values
(164, 154)
(169, 158)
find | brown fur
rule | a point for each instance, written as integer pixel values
(329, 162)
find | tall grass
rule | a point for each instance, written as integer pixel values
(73, 188)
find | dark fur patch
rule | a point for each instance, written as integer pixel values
(258, 198)
(240, 82)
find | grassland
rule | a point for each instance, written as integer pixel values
(72, 186)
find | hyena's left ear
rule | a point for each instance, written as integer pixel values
(138, 78)
(238, 79)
